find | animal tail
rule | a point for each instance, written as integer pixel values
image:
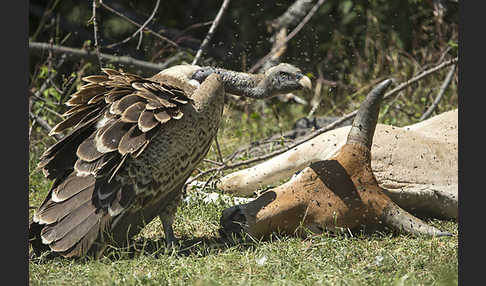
(68, 222)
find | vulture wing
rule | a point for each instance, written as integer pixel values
(112, 117)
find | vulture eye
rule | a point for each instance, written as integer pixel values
(284, 75)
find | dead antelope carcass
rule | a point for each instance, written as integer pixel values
(341, 192)
(416, 165)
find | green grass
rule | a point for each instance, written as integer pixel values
(319, 260)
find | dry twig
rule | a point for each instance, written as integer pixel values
(138, 25)
(442, 90)
(96, 36)
(211, 31)
(289, 37)
(89, 55)
(139, 31)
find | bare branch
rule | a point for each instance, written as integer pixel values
(96, 36)
(89, 55)
(294, 13)
(211, 31)
(420, 76)
(45, 16)
(220, 157)
(139, 31)
(138, 25)
(289, 37)
(442, 90)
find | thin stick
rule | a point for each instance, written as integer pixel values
(138, 25)
(220, 157)
(213, 162)
(96, 36)
(143, 26)
(289, 37)
(425, 73)
(442, 90)
(197, 25)
(326, 128)
(79, 53)
(211, 31)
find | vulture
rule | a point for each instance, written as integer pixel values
(132, 144)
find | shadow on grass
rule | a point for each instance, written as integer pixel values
(204, 246)
(197, 247)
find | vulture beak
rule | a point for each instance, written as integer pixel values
(306, 83)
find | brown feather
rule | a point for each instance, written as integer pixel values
(166, 103)
(97, 98)
(58, 230)
(72, 121)
(122, 200)
(82, 247)
(147, 95)
(72, 185)
(181, 100)
(141, 149)
(119, 106)
(61, 156)
(109, 139)
(115, 94)
(110, 72)
(84, 167)
(52, 211)
(166, 89)
(87, 150)
(124, 157)
(95, 78)
(147, 121)
(78, 232)
(132, 113)
(85, 94)
(152, 86)
(75, 109)
(105, 192)
(152, 105)
(132, 140)
(132, 77)
(138, 86)
(162, 116)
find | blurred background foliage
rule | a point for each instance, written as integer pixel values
(352, 44)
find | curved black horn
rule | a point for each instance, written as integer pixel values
(365, 121)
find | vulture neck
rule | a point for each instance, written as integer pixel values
(243, 84)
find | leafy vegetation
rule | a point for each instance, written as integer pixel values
(351, 43)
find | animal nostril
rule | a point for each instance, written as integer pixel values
(231, 221)
(238, 217)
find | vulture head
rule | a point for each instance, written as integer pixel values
(285, 78)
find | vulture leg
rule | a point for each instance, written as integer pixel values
(167, 216)
(167, 219)
(170, 238)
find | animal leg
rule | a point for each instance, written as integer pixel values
(167, 218)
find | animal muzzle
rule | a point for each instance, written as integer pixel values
(233, 222)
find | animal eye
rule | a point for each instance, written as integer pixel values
(284, 75)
